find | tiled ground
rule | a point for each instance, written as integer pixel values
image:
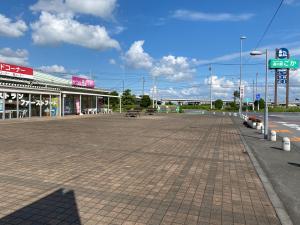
(174, 169)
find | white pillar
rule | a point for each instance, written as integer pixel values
(29, 99)
(17, 105)
(62, 106)
(96, 104)
(40, 105)
(50, 106)
(120, 100)
(3, 106)
(80, 104)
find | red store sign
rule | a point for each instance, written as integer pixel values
(15, 71)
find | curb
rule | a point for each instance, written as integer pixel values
(276, 202)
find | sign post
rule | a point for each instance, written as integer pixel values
(282, 65)
(257, 99)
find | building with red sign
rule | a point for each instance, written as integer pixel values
(26, 93)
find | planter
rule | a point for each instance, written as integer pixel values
(258, 126)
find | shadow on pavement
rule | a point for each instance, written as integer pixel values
(277, 148)
(294, 164)
(57, 208)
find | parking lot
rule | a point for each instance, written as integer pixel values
(108, 169)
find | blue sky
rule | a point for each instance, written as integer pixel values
(171, 40)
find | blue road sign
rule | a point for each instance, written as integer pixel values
(257, 97)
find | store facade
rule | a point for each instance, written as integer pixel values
(25, 93)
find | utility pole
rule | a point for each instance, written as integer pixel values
(287, 85)
(276, 83)
(253, 96)
(123, 85)
(257, 93)
(143, 86)
(210, 69)
(153, 92)
(241, 70)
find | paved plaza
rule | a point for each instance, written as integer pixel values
(108, 169)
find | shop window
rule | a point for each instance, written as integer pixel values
(10, 105)
(45, 105)
(35, 105)
(23, 105)
(71, 105)
(54, 105)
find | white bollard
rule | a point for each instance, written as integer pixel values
(214, 113)
(229, 114)
(286, 144)
(262, 129)
(235, 114)
(224, 113)
(273, 135)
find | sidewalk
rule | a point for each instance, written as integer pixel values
(282, 168)
(174, 169)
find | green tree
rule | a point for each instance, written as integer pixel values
(128, 98)
(233, 105)
(145, 101)
(261, 103)
(114, 101)
(218, 104)
(236, 94)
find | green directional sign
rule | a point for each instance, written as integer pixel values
(283, 64)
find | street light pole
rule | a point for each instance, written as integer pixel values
(266, 114)
(257, 93)
(241, 67)
(210, 69)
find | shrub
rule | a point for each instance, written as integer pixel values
(218, 104)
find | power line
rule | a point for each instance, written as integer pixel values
(269, 25)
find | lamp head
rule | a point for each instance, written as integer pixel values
(254, 53)
(243, 37)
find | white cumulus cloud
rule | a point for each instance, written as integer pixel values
(221, 87)
(99, 8)
(18, 57)
(174, 68)
(53, 69)
(137, 58)
(12, 29)
(62, 28)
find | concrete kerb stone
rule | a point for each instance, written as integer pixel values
(276, 202)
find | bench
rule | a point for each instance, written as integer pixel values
(151, 111)
(132, 113)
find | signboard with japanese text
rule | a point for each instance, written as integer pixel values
(22, 101)
(281, 75)
(82, 82)
(15, 71)
(283, 64)
(242, 91)
(282, 53)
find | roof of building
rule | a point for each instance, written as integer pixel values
(48, 78)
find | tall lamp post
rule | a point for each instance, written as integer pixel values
(241, 50)
(210, 91)
(266, 116)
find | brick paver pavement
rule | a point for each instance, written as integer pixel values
(172, 169)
